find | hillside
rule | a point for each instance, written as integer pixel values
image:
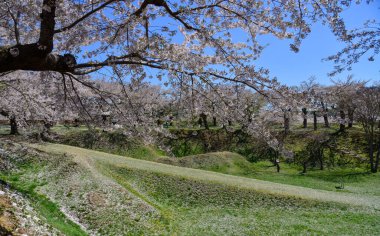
(115, 195)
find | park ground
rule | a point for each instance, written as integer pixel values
(66, 190)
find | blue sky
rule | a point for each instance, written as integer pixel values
(292, 68)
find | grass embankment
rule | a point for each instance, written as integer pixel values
(111, 142)
(49, 211)
(46, 209)
(355, 179)
(96, 202)
(198, 202)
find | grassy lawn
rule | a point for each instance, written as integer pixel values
(62, 130)
(355, 180)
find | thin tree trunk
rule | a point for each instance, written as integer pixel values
(321, 159)
(286, 125)
(342, 125)
(277, 162)
(350, 114)
(204, 119)
(286, 122)
(325, 117)
(371, 159)
(315, 119)
(326, 120)
(214, 121)
(304, 114)
(46, 131)
(304, 167)
(377, 157)
(200, 121)
(13, 123)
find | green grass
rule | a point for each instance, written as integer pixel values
(111, 142)
(209, 209)
(223, 162)
(62, 129)
(146, 198)
(5, 129)
(48, 210)
(149, 153)
(208, 176)
(356, 180)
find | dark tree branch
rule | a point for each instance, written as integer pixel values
(45, 42)
(15, 24)
(4, 113)
(94, 10)
(31, 57)
(162, 3)
(197, 8)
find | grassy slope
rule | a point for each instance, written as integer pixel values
(48, 210)
(229, 180)
(356, 180)
(355, 176)
(223, 162)
(186, 201)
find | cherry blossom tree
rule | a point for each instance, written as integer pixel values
(368, 114)
(360, 42)
(344, 96)
(195, 38)
(25, 100)
(316, 100)
(38, 100)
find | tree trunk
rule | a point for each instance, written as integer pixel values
(342, 122)
(214, 121)
(37, 56)
(286, 123)
(13, 123)
(304, 167)
(331, 157)
(371, 156)
(315, 120)
(203, 116)
(304, 115)
(350, 114)
(321, 159)
(326, 120)
(46, 131)
(200, 121)
(376, 167)
(325, 117)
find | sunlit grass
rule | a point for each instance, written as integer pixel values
(229, 180)
(48, 210)
(139, 197)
